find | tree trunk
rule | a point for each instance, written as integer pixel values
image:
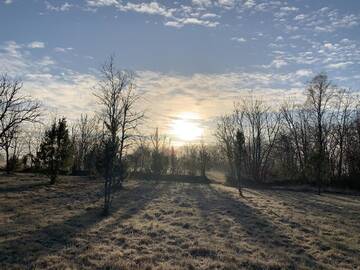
(7, 160)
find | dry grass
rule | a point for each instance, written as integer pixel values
(158, 225)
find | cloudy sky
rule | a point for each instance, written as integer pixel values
(191, 58)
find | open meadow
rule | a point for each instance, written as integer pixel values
(161, 225)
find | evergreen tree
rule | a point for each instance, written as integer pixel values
(56, 149)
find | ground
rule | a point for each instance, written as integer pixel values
(160, 225)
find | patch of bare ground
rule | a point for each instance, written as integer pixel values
(160, 225)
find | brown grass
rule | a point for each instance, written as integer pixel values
(159, 225)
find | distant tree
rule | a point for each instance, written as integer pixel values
(159, 158)
(261, 127)
(345, 112)
(173, 162)
(298, 132)
(225, 134)
(204, 158)
(239, 157)
(190, 157)
(56, 149)
(84, 136)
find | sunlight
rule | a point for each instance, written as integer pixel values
(186, 127)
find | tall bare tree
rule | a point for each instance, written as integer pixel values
(117, 97)
(15, 110)
(204, 158)
(226, 136)
(320, 92)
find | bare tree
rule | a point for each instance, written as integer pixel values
(204, 158)
(85, 134)
(239, 158)
(9, 141)
(226, 136)
(296, 119)
(117, 98)
(320, 92)
(15, 110)
(344, 115)
(131, 118)
(260, 126)
(159, 159)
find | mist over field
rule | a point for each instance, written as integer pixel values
(196, 134)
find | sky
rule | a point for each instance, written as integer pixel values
(192, 59)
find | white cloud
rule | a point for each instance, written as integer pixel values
(304, 73)
(291, 9)
(227, 4)
(202, 3)
(210, 15)
(63, 50)
(238, 39)
(152, 8)
(64, 7)
(100, 3)
(340, 65)
(180, 22)
(36, 45)
(276, 63)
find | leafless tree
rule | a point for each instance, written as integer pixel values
(117, 98)
(320, 92)
(260, 125)
(296, 124)
(344, 116)
(15, 110)
(159, 156)
(226, 136)
(204, 158)
(85, 133)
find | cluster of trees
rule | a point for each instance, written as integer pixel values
(95, 146)
(154, 156)
(16, 111)
(317, 141)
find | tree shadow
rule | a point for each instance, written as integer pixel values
(319, 204)
(25, 250)
(26, 187)
(267, 236)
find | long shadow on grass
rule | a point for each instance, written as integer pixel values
(256, 225)
(26, 187)
(24, 250)
(317, 205)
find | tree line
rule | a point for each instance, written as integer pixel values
(316, 142)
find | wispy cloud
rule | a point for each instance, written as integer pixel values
(239, 39)
(62, 7)
(36, 45)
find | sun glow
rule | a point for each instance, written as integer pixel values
(186, 127)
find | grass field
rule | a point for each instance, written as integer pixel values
(159, 225)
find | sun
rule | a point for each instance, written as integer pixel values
(186, 127)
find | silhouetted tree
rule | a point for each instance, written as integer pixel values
(117, 97)
(56, 150)
(15, 110)
(320, 91)
(159, 157)
(239, 157)
(204, 159)
(173, 162)
(225, 134)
